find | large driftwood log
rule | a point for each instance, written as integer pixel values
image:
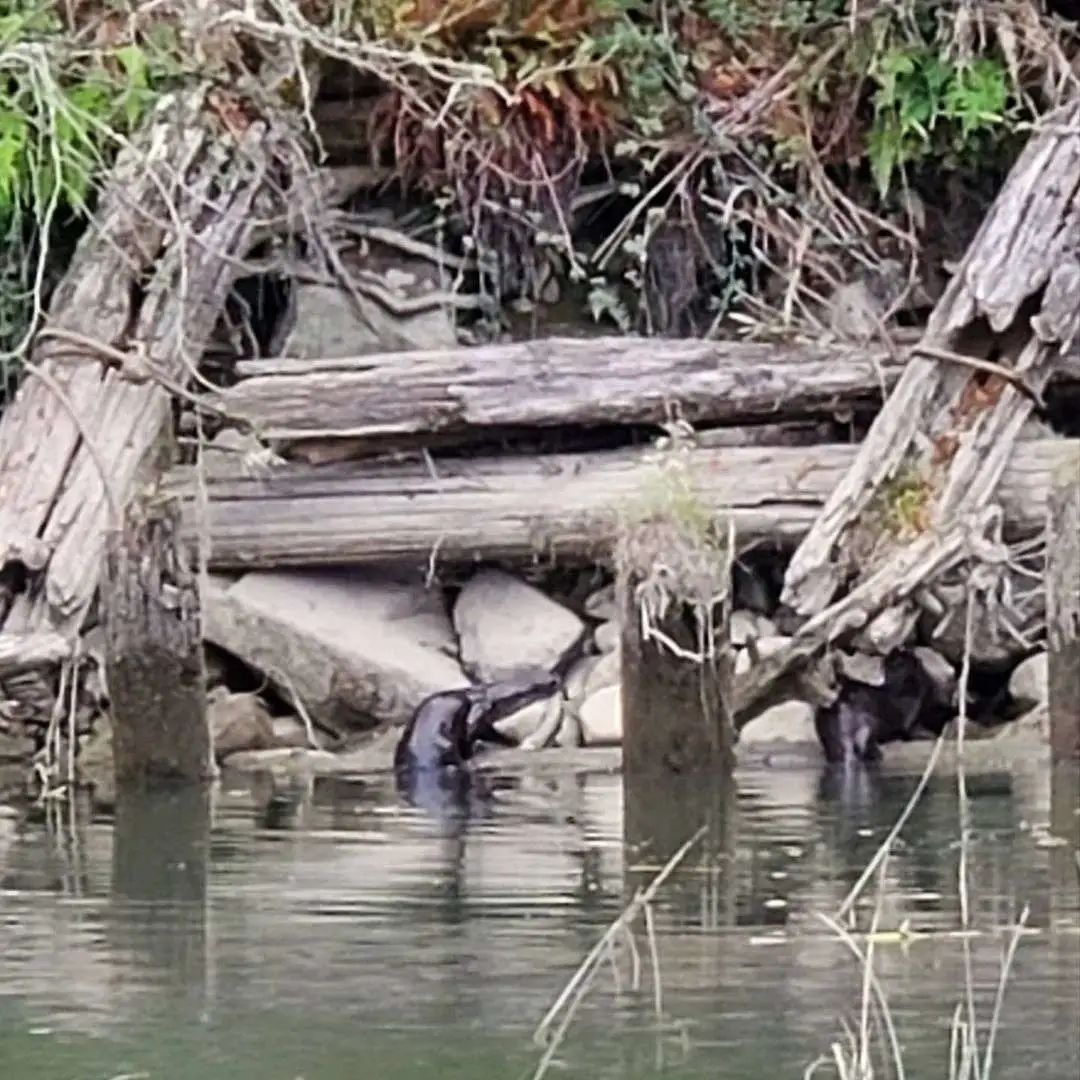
(1063, 608)
(82, 425)
(23, 652)
(472, 392)
(153, 653)
(567, 506)
(1014, 304)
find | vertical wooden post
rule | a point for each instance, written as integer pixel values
(153, 653)
(1063, 607)
(160, 863)
(675, 677)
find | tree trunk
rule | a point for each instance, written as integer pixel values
(153, 654)
(564, 506)
(1013, 303)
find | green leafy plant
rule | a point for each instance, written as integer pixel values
(926, 106)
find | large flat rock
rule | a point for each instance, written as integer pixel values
(359, 647)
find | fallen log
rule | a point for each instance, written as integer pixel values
(137, 303)
(557, 382)
(565, 506)
(24, 652)
(991, 345)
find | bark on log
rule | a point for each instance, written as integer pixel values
(153, 653)
(558, 382)
(1014, 302)
(81, 427)
(1063, 608)
(675, 715)
(518, 508)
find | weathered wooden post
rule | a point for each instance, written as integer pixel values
(673, 583)
(1063, 608)
(153, 657)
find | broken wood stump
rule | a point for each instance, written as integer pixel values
(134, 309)
(998, 334)
(153, 652)
(561, 506)
(673, 575)
(1063, 607)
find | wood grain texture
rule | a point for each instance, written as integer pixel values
(564, 506)
(137, 286)
(555, 382)
(1014, 300)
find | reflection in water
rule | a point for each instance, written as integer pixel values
(322, 928)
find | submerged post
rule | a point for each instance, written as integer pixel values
(673, 577)
(153, 657)
(1063, 608)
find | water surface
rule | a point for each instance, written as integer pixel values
(320, 929)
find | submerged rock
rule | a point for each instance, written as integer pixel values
(601, 717)
(506, 626)
(788, 722)
(1029, 684)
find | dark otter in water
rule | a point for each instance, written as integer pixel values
(863, 717)
(446, 727)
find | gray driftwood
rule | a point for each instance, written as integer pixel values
(22, 652)
(153, 653)
(466, 392)
(1063, 608)
(82, 425)
(564, 506)
(1014, 302)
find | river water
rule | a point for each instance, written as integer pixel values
(319, 929)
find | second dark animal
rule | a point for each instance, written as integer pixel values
(863, 717)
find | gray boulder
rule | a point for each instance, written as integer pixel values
(506, 626)
(1029, 684)
(788, 722)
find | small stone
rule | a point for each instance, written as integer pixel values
(788, 722)
(551, 721)
(601, 604)
(940, 672)
(607, 637)
(862, 668)
(289, 731)
(239, 722)
(605, 673)
(577, 678)
(749, 626)
(601, 717)
(505, 626)
(522, 725)
(1029, 683)
(766, 647)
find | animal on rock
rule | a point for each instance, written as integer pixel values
(863, 717)
(444, 731)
